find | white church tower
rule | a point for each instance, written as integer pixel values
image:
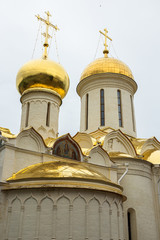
(43, 84)
(107, 89)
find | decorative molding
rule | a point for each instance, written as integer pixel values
(107, 80)
(31, 132)
(103, 154)
(38, 208)
(156, 170)
(39, 197)
(79, 196)
(40, 96)
(137, 173)
(121, 138)
(9, 209)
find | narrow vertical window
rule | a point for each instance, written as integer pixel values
(87, 101)
(48, 115)
(129, 226)
(102, 107)
(27, 114)
(119, 108)
(132, 109)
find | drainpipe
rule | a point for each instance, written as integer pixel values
(126, 165)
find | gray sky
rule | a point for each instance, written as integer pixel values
(134, 27)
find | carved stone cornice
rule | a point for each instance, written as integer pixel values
(113, 80)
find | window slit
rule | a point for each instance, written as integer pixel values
(27, 114)
(87, 100)
(129, 226)
(48, 115)
(102, 113)
(119, 108)
(132, 225)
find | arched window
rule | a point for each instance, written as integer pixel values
(132, 109)
(132, 225)
(87, 102)
(48, 114)
(102, 118)
(27, 114)
(119, 108)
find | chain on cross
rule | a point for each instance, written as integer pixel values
(46, 34)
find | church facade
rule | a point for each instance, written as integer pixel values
(103, 183)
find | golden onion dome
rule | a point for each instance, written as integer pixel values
(106, 65)
(45, 74)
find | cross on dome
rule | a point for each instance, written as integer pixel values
(105, 44)
(46, 34)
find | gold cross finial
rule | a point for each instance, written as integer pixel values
(46, 34)
(105, 44)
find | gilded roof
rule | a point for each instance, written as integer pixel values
(106, 65)
(138, 143)
(7, 133)
(58, 170)
(152, 156)
(61, 173)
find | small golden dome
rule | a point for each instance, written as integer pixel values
(106, 65)
(43, 73)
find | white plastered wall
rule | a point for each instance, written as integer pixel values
(62, 214)
(111, 111)
(138, 187)
(92, 86)
(38, 104)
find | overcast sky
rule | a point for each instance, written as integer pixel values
(134, 27)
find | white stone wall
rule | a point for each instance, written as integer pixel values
(110, 83)
(62, 214)
(111, 111)
(38, 101)
(156, 191)
(138, 187)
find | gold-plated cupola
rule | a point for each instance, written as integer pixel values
(43, 73)
(106, 64)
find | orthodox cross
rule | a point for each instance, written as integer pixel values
(46, 34)
(105, 44)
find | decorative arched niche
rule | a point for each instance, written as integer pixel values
(100, 157)
(116, 141)
(30, 139)
(67, 147)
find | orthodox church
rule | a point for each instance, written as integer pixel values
(103, 183)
